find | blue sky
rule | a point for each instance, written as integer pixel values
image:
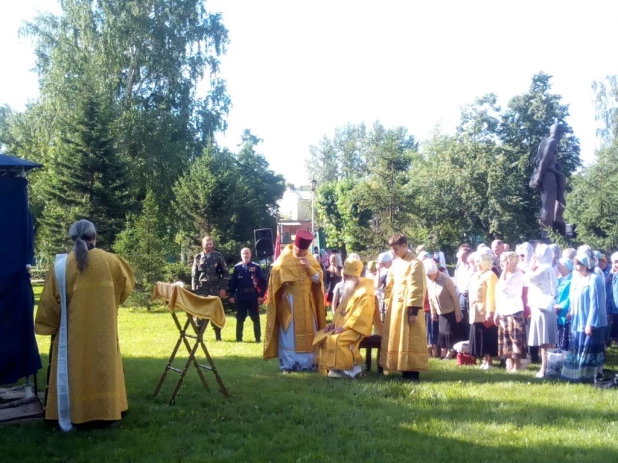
(297, 70)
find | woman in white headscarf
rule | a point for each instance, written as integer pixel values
(525, 251)
(542, 292)
(510, 313)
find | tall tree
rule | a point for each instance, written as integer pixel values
(389, 158)
(86, 177)
(527, 119)
(593, 201)
(341, 157)
(606, 102)
(143, 243)
(228, 195)
(480, 121)
(259, 189)
(5, 113)
(147, 57)
(368, 200)
(345, 215)
(322, 164)
(525, 123)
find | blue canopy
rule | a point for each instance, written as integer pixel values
(19, 354)
(13, 164)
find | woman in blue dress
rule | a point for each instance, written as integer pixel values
(586, 354)
(565, 268)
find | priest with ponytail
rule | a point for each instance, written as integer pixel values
(79, 308)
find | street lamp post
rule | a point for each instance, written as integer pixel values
(314, 184)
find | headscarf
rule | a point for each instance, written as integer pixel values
(472, 259)
(568, 263)
(486, 250)
(587, 250)
(585, 260)
(555, 249)
(430, 267)
(527, 251)
(512, 260)
(544, 255)
(569, 253)
(600, 256)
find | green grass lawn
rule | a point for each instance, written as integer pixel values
(454, 414)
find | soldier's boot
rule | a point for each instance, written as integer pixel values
(199, 322)
(239, 328)
(257, 330)
(217, 333)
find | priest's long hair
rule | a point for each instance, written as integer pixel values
(81, 232)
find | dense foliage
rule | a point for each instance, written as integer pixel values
(130, 102)
(469, 186)
(127, 140)
(593, 201)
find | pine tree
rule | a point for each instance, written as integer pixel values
(143, 244)
(87, 177)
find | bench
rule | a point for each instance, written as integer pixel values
(370, 343)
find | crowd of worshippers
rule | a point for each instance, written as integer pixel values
(540, 298)
(502, 303)
(503, 306)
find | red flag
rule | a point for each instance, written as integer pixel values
(277, 245)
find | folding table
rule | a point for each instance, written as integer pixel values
(208, 308)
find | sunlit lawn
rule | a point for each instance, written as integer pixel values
(454, 414)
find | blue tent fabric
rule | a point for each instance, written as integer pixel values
(19, 353)
(11, 162)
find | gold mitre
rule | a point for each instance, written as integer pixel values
(352, 267)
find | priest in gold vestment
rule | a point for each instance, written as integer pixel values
(404, 337)
(295, 306)
(339, 354)
(97, 282)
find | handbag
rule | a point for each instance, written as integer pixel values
(462, 347)
(465, 359)
(555, 361)
(606, 380)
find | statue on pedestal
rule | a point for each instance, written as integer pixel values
(548, 178)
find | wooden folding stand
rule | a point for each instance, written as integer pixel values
(185, 336)
(199, 341)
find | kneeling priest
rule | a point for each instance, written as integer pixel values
(339, 354)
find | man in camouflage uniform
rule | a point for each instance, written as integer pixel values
(209, 275)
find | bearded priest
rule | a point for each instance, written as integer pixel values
(295, 306)
(339, 354)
